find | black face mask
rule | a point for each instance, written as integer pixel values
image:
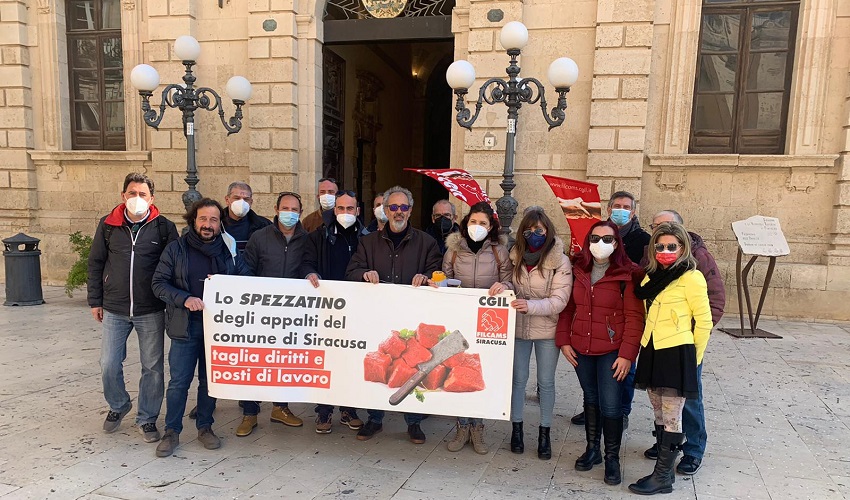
(444, 224)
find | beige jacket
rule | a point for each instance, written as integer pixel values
(477, 270)
(547, 295)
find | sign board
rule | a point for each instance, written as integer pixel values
(760, 235)
(580, 203)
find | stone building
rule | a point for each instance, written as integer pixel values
(721, 109)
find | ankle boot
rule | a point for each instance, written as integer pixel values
(652, 452)
(476, 437)
(544, 445)
(460, 439)
(517, 446)
(612, 435)
(593, 431)
(661, 479)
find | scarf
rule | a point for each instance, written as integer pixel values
(474, 246)
(658, 281)
(624, 230)
(213, 250)
(531, 257)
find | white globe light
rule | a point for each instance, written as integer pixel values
(514, 35)
(460, 75)
(238, 88)
(186, 48)
(144, 77)
(563, 73)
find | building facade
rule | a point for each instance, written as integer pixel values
(720, 109)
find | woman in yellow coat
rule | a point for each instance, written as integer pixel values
(678, 323)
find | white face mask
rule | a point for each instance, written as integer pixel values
(477, 233)
(137, 206)
(327, 201)
(601, 250)
(239, 208)
(379, 214)
(346, 220)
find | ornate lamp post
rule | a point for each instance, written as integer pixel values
(513, 92)
(187, 98)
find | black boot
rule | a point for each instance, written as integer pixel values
(517, 445)
(612, 434)
(652, 453)
(661, 479)
(544, 446)
(593, 432)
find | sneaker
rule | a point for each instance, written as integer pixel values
(324, 424)
(689, 465)
(350, 419)
(113, 420)
(208, 438)
(283, 415)
(416, 434)
(150, 432)
(170, 440)
(249, 422)
(369, 430)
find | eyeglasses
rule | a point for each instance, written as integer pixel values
(396, 208)
(608, 238)
(671, 247)
(539, 232)
(346, 192)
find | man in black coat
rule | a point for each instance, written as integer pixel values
(240, 220)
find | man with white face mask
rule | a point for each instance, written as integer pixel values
(124, 254)
(327, 197)
(240, 220)
(380, 217)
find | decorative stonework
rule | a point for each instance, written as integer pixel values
(679, 85)
(801, 180)
(129, 4)
(671, 180)
(43, 7)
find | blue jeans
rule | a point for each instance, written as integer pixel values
(150, 329)
(377, 416)
(599, 385)
(629, 390)
(329, 409)
(693, 423)
(252, 408)
(184, 356)
(546, 353)
(470, 421)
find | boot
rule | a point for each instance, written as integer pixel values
(593, 431)
(612, 435)
(460, 438)
(517, 445)
(476, 437)
(661, 479)
(544, 445)
(652, 452)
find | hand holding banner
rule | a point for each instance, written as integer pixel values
(581, 205)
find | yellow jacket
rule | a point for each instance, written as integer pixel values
(679, 306)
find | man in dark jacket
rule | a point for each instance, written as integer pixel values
(326, 195)
(179, 282)
(124, 253)
(397, 254)
(276, 251)
(443, 223)
(240, 220)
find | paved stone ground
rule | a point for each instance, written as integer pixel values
(778, 416)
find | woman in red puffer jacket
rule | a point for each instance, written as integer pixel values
(599, 334)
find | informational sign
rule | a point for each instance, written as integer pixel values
(459, 183)
(446, 351)
(580, 203)
(760, 235)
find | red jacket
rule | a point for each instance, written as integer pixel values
(603, 317)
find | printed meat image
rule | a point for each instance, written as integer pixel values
(421, 357)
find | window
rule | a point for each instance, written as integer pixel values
(743, 80)
(96, 74)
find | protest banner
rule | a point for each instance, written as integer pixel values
(581, 205)
(445, 351)
(460, 183)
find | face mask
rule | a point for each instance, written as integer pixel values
(477, 233)
(601, 250)
(346, 220)
(379, 214)
(137, 206)
(665, 259)
(444, 224)
(536, 240)
(239, 208)
(288, 219)
(327, 201)
(620, 216)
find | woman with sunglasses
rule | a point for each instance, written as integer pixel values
(678, 323)
(599, 334)
(542, 280)
(477, 256)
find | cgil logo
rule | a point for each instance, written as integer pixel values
(492, 323)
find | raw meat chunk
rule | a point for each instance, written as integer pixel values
(435, 379)
(400, 372)
(429, 335)
(393, 346)
(376, 367)
(464, 379)
(415, 353)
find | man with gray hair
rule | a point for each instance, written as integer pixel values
(240, 220)
(443, 223)
(398, 254)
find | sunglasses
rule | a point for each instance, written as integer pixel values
(671, 247)
(346, 192)
(539, 232)
(328, 179)
(288, 193)
(608, 238)
(396, 208)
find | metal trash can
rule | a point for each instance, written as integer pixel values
(23, 271)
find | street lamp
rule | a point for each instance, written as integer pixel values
(187, 99)
(513, 92)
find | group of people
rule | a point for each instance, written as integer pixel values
(632, 309)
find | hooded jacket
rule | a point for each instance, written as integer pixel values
(269, 255)
(477, 270)
(547, 294)
(119, 273)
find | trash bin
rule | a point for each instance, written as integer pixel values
(23, 271)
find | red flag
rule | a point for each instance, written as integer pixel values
(459, 182)
(581, 206)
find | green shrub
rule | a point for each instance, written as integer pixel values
(77, 276)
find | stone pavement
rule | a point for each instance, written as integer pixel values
(778, 419)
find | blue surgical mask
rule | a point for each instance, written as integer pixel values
(620, 216)
(288, 219)
(536, 240)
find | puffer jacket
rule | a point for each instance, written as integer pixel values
(673, 312)
(477, 270)
(603, 317)
(547, 294)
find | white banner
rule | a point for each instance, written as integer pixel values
(444, 351)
